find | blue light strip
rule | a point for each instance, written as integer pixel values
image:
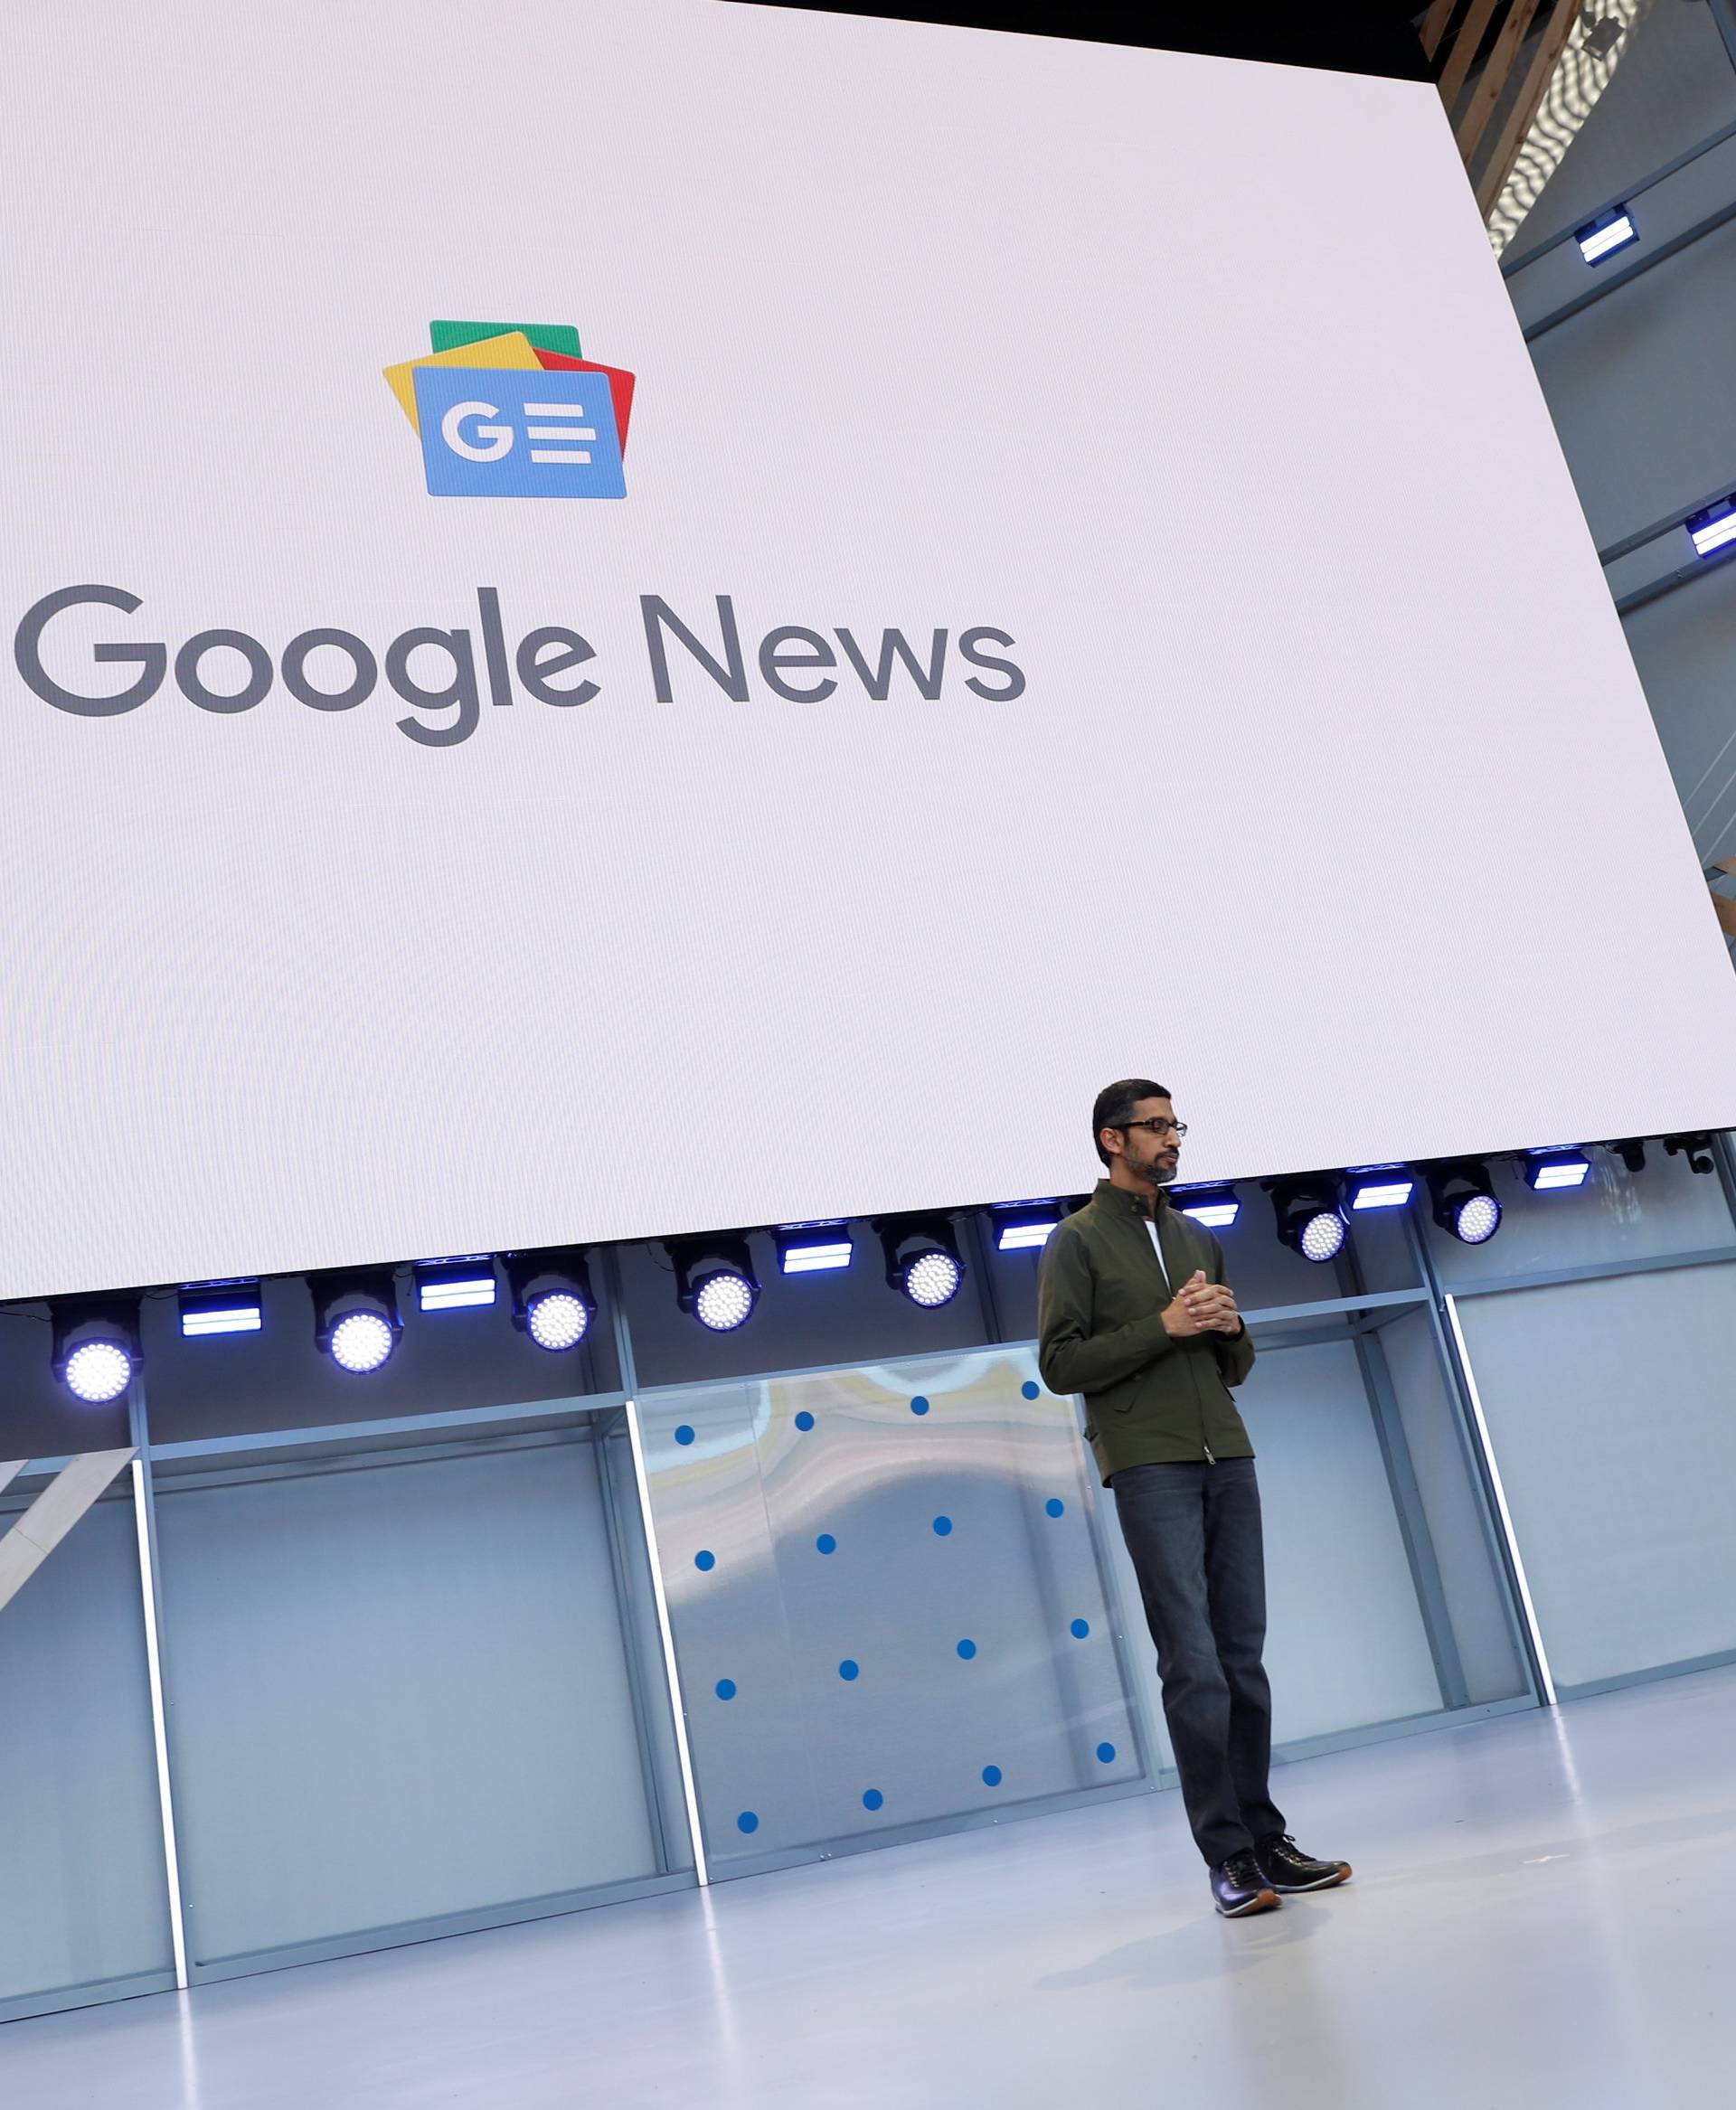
(457, 1294)
(1559, 1166)
(1382, 1193)
(1216, 1207)
(1710, 532)
(1213, 1215)
(228, 1319)
(1603, 237)
(811, 1259)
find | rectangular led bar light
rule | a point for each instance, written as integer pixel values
(1548, 1171)
(1715, 529)
(225, 1307)
(1215, 1207)
(452, 1285)
(1603, 236)
(809, 1248)
(1026, 1228)
(1379, 1187)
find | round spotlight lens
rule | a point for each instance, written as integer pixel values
(724, 1301)
(362, 1342)
(932, 1279)
(98, 1371)
(1323, 1236)
(557, 1320)
(1476, 1221)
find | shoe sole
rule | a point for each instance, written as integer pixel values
(1263, 1901)
(1325, 1883)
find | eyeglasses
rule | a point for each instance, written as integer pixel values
(1159, 1128)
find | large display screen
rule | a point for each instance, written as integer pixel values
(648, 617)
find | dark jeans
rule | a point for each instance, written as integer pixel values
(1194, 1533)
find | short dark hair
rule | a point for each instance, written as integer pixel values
(1114, 1107)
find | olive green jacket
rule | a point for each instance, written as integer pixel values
(1101, 1297)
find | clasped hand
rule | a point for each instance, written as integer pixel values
(1201, 1307)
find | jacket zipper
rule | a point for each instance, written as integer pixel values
(1163, 1270)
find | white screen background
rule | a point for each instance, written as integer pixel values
(1332, 800)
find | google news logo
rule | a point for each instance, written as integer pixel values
(515, 410)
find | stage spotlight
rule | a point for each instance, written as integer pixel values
(811, 1248)
(551, 1297)
(455, 1285)
(1696, 1149)
(922, 1259)
(1549, 1170)
(1216, 1208)
(95, 1352)
(97, 1371)
(355, 1318)
(1380, 1186)
(1715, 529)
(220, 1307)
(1603, 236)
(1631, 1151)
(715, 1281)
(1023, 1227)
(1310, 1216)
(1464, 1201)
(557, 1321)
(361, 1341)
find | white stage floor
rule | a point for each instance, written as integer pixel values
(1539, 1917)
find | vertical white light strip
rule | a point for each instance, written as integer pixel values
(1501, 1502)
(159, 1726)
(648, 1524)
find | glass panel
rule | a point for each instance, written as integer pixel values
(83, 1900)
(1361, 1631)
(645, 1640)
(398, 1690)
(886, 1599)
(1608, 1408)
(1476, 1601)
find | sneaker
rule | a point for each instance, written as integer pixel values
(1239, 1888)
(1289, 1870)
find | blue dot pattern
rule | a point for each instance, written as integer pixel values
(849, 1669)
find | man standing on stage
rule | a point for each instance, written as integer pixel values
(1134, 1315)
